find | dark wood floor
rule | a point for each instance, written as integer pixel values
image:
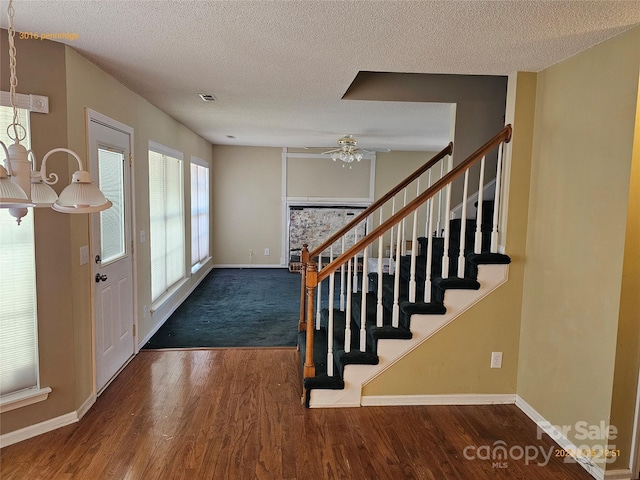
(236, 414)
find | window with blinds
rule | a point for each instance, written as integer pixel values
(18, 313)
(199, 213)
(167, 228)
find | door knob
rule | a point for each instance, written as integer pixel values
(100, 278)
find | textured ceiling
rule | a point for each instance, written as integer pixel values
(279, 69)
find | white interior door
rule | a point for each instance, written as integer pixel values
(111, 252)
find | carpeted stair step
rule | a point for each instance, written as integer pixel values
(441, 285)
(407, 309)
(475, 259)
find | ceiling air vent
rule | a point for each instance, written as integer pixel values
(207, 97)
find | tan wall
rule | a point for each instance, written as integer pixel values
(64, 287)
(247, 195)
(625, 380)
(324, 178)
(247, 206)
(581, 164)
(456, 360)
(40, 69)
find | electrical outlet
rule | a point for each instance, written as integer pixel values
(496, 359)
(267, 252)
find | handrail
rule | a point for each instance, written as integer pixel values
(503, 136)
(448, 150)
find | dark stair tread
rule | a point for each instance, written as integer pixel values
(390, 332)
(431, 308)
(487, 258)
(456, 283)
(321, 382)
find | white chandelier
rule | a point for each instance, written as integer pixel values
(21, 185)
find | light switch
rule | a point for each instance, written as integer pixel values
(84, 255)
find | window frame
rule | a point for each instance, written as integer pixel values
(169, 289)
(34, 392)
(202, 260)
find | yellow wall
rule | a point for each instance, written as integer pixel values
(584, 128)
(40, 69)
(625, 380)
(456, 360)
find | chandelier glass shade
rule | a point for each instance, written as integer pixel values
(21, 185)
(346, 156)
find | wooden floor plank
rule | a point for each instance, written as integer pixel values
(236, 414)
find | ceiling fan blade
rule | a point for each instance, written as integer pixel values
(331, 151)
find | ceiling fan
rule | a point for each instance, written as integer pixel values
(348, 151)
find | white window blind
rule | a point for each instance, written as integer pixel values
(199, 213)
(18, 313)
(167, 228)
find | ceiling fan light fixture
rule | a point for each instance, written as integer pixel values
(348, 152)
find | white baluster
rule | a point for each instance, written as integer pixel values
(391, 237)
(319, 295)
(414, 250)
(496, 202)
(478, 238)
(427, 277)
(355, 262)
(404, 240)
(427, 225)
(342, 273)
(347, 327)
(395, 312)
(379, 308)
(330, 326)
(447, 225)
(463, 225)
(363, 305)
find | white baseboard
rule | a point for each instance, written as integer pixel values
(455, 399)
(543, 424)
(87, 404)
(38, 429)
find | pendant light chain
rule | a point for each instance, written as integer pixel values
(13, 80)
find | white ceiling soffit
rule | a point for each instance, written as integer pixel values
(278, 69)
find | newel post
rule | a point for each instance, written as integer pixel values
(304, 258)
(312, 284)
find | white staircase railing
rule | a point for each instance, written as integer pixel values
(354, 261)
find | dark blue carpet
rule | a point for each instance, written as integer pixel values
(236, 308)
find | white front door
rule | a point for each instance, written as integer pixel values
(109, 150)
